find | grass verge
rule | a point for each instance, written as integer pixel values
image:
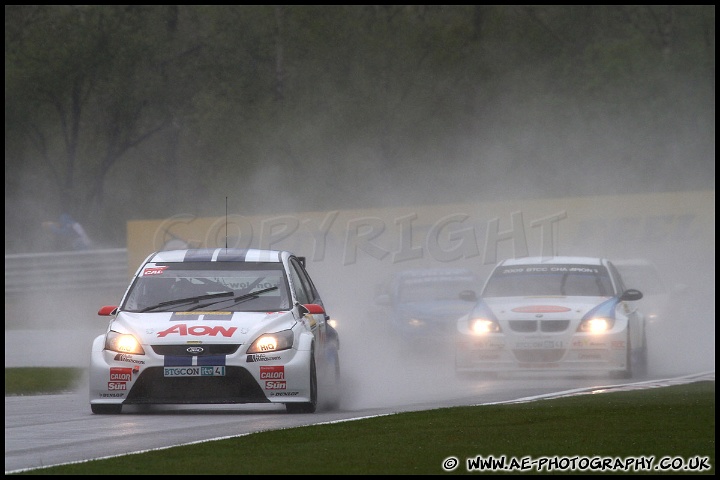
(41, 380)
(675, 423)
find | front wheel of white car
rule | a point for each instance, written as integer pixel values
(311, 406)
(628, 371)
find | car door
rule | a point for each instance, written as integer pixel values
(306, 292)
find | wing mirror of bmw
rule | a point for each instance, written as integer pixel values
(631, 295)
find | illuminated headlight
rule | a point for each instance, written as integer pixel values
(123, 343)
(272, 342)
(596, 325)
(480, 326)
(333, 323)
(414, 322)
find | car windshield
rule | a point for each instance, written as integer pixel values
(539, 280)
(209, 286)
(430, 290)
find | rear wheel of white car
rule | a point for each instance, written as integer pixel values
(640, 359)
(307, 407)
(329, 389)
(106, 409)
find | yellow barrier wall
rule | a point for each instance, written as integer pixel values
(653, 225)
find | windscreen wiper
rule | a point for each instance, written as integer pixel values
(236, 300)
(180, 301)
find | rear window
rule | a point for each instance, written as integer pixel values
(432, 289)
(564, 280)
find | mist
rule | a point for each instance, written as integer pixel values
(516, 146)
(383, 369)
(568, 166)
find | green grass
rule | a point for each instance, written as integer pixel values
(36, 380)
(675, 421)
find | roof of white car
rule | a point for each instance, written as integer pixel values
(553, 261)
(218, 255)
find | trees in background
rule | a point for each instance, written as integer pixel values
(122, 112)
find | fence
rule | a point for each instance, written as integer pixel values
(66, 271)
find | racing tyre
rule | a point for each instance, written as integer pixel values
(106, 409)
(307, 407)
(329, 389)
(640, 359)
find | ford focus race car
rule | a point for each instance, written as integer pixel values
(217, 326)
(571, 314)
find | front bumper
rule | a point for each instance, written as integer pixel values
(579, 353)
(278, 377)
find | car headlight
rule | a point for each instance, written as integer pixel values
(272, 342)
(415, 322)
(482, 320)
(596, 325)
(480, 326)
(123, 343)
(601, 318)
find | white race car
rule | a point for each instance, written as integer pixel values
(217, 326)
(570, 314)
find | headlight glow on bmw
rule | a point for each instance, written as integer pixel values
(272, 342)
(481, 326)
(123, 343)
(596, 325)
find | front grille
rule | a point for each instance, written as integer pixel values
(540, 356)
(529, 326)
(237, 386)
(523, 326)
(554, 325)
(208, 349)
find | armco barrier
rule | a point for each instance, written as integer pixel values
(66, 271)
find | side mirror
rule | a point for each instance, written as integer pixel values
(631, 295)
(314, 308)
(107, 310)
(468, 296)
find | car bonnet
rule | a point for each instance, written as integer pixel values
(545, 306)
(163, 328)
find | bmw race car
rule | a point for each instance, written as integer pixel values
(217, 326)
(570, 314)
